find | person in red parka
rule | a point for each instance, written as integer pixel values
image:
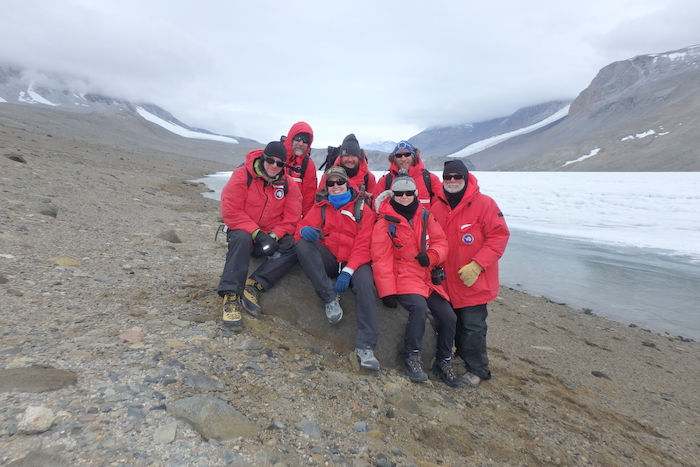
(477, 234)
(260, 206)
(405, 157)
(354, 160)
(407, 243)
(300, 166)
(333, 242)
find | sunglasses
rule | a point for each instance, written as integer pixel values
(403, 154)
(399, 194)
(302, 139)
(339, 182)
(273, 161)
(453, 176)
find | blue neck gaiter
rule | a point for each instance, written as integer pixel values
(340, 200)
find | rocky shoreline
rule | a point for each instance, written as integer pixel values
(111, 354)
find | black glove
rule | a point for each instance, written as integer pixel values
(423, 259)
(266, 244)
(390, 301)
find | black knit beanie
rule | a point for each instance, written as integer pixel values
(276, 149)
(350, 146)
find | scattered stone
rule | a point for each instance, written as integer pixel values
(50, 210)
(362, 427)
(165, 434)
(36, 379)
(44, 457)
(212, 417)
(310, 428)
(250, 344)
(36, 420)
(169, 236)
(337, 378)
(3, 279)
(200, 381)
(16, 158)
(600, 374)
(69, 262)
(133, 335)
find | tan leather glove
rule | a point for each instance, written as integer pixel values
(470, 273)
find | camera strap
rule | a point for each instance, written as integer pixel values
(424, 231)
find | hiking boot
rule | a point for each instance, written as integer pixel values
(471, 380)
(231, 317)
(367, 359)
(249, 300)
(333, 311)
(443, 370)
(414, 370)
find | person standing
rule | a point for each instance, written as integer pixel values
(260, 206)
(354, 160)
(477, 235)
(300, 166)
(405, 157)
(333, 242)
(407, 243)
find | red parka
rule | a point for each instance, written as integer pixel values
(307, 182)
(347, 239)
(476, 231)
(416, 173)
(395, 269)
(262, 205)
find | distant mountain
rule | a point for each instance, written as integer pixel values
(384, 146)
(444, 141)
(69, 94)
(640, 114)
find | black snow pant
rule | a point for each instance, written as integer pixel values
(470, 339)
(445, 322)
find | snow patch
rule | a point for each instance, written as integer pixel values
(646, 133)
(2, 100)
(487, 143)
(178, 130)
(33, 97)
(590, 154)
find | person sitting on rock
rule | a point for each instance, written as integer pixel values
(333, 242)
(407, 243)
(260, 206)
(407, 157)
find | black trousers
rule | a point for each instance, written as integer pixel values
(240, 251)
(470, 339)
(445, 322)
(320, 265)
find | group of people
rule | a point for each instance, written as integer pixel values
(409, 239)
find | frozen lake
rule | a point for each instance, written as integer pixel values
(624, 244)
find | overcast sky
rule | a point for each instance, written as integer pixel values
(384, 70)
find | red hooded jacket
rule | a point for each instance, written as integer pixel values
(476, 231)
(262, 205)
(307, 181)
(416, 173)
(341, 234)
(395, 269)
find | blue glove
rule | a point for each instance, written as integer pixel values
(342, 282)
(309, 234)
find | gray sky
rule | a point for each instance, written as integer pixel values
(384, 70)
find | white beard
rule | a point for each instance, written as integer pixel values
(454, 190)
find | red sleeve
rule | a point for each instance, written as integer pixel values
(382, 260)
(360, 251)
(371, 182)
(496, 235)
(309, 187)
(379, 186)
(437, 239)
(436, 187)
(233, 198)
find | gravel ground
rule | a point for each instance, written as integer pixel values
(108, 323)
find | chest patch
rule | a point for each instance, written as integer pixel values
(468, 239)
(279, 193)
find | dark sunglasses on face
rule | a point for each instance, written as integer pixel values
(302, 139)
(339, 182)
(272, 160)
(399, 194)
(403, 154)
(453, 176)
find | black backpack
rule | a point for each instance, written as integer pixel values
(333, 153)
